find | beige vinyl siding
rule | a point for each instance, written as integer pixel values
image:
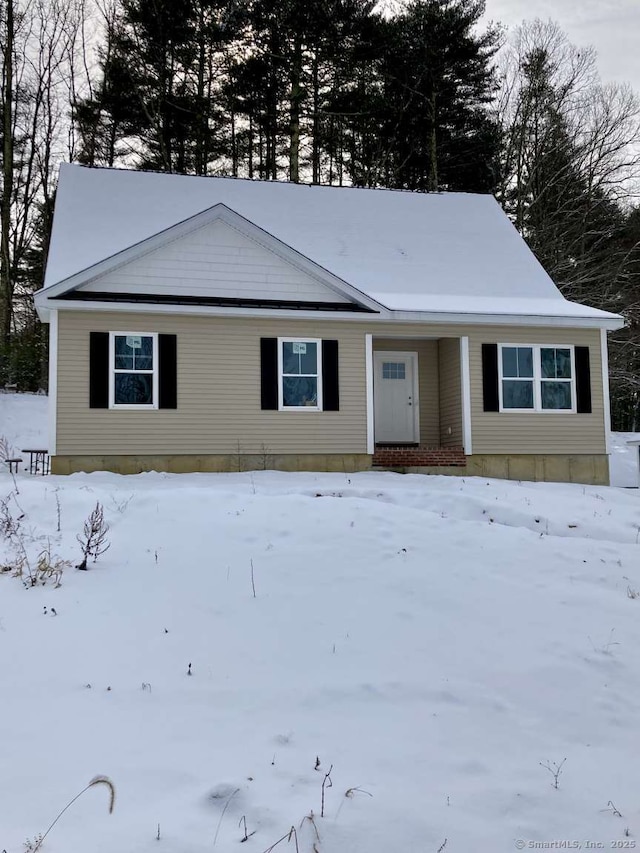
(450, 392)
(428, 381)
(219, 390)
(216, 260)
(541, 432)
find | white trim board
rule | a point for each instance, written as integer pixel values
(604, 359)
(44, 305)
(465, 381)
(368, 350)
(53, 382)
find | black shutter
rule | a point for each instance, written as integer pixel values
(269, 373)
(167, 372)
(99, 370)
(330, 380)
(490, 395)
(583, 380)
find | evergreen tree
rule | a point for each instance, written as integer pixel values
(327, 92)
(427, 97)
(156, 102)
(286, 78)
(624, 344)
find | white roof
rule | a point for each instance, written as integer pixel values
(437, 252)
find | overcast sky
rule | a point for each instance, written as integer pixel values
(611, 26)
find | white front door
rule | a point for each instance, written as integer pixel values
(395, 397)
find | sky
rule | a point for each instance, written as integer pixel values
(611, 26)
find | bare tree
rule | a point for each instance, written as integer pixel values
(571, 170)
(37, 41)
(547, 85)
(7, 95)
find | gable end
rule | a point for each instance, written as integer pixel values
(216, 258)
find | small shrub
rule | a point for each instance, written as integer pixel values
(48, 568)
(93, 539)
(555, 769)
(9, 524)
(6, 450)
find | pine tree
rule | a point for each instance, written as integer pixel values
(285, 80)
(156, 103)
(427, 95)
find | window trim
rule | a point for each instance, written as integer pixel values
(538, 379)
(318, 374)
(134, 407)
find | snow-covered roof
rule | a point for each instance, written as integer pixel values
(439, 252)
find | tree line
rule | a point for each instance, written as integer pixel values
(421, 95)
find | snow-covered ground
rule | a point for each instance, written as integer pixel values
(430, 641)
(624, 467)
(23, 421)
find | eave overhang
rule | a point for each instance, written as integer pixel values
(343, 313)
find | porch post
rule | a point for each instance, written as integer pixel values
(465, 377)
(53, 381)
(368, 372)
(604, 355)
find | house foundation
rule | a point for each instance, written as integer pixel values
(213, 463)
(589, 469)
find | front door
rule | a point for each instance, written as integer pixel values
(395, 397)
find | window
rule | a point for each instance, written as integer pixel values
(536, 378)
(300, 379)
(133, 374)
(517, 381)
(556, 378)
(393, 370)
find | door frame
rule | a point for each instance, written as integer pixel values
(415, 399)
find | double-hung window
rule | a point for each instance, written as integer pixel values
(300, 374)
(518, 382)
(536, 378)
(133, 370)
(556, 378)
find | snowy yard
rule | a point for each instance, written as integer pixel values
(430, 641)
(624, 469)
